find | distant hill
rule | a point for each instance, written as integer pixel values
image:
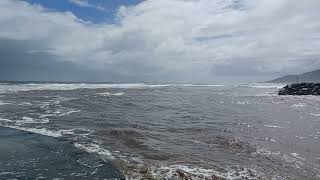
(313, 76)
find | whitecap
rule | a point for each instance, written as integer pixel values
(263, 85)
(5, 120)
(69, 112)
(119, 94)
(104, 94)
(278, 102)
(72, 86)
(29, 120)
(95, 148)
(298, 105)
(199, 85)
(62, 111)
(272, 126)
(298, 156)
(77, 131)
(294, 154)
(243, 102)
(315, 114)
(25, 104)
(3, 103)
(42, 131)
(197, 173)
(266, 152)
(110, 94)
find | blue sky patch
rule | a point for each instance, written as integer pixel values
(96, 11)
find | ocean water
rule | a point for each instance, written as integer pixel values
(178, 130)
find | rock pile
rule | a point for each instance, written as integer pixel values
(301, 89)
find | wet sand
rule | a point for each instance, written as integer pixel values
(25, 155)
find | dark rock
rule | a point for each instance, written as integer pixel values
(301, 89)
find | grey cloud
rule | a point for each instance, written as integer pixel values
(18, 64)
(167, 40)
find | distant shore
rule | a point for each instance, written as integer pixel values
(25, 155)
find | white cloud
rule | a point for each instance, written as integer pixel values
(81, 3)
(187, 37)
(85, 3)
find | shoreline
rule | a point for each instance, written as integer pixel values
(26, 155)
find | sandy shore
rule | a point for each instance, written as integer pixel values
(25, 155)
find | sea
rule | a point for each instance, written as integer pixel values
(175, 131)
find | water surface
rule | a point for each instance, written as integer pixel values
(168, 131)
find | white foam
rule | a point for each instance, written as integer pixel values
(271, 139)
(77, 131)
(199, 85)
(29, 120)
(104, 94)
(3, 103)
(315, 114)
(294, 154)
(95, 148)
(263, 85)
(42, 131)
(278, 102)
(25, 104)
(198, 173)
(5, 120)
(300, 137)
(59, 111)
(110, 94)
(272, 126)
(119, 94)
(72, 86)
(243, 102)
(69, 112)
(298, 105)
(4, 88)
(266, 152)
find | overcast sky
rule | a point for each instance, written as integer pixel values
(158, 40)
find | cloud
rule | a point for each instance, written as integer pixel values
(177, 40)
(81, 3)
(85, 3)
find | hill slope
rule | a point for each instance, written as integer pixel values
(313, 76)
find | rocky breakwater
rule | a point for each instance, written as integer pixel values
(301, 89)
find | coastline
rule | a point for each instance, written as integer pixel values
(26, 155)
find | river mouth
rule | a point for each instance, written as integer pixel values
(176, 131)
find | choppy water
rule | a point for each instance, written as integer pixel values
(169, 131)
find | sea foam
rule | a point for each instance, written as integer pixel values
(42, 131)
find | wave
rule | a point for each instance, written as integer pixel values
(192, 172)
(315, 114)
(272, 126)
(4, 88)
(262, 85)
(29, 120)
(189, 172)
(42, 131)
(110, 94)
(4, 103)
(94, 148)
(298, 105)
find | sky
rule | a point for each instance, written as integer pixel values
(197, 41)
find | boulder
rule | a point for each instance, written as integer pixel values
(301, 89)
